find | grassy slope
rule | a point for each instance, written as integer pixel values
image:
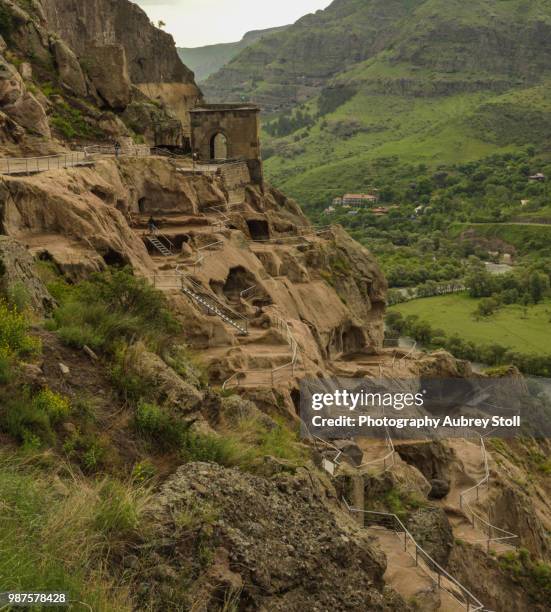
(442, 91)
(206, 60)
(510, 326)
(430, 130)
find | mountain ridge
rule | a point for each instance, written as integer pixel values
(208, 59)
(421, 80)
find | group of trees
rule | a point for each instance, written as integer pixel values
(287, 124)
(492, 354)
(523, 286)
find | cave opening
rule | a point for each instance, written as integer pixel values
(142, 205)
(353, 340)
(114, 258)
(295, 397)
(258, 229)
(238, 280)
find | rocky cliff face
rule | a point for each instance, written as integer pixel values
(327, 287)
(89, 72)
(153, 62)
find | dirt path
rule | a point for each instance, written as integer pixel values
(410, 580)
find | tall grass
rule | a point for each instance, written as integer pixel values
(59, 536)
(110, 308)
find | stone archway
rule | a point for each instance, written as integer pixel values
(219, 146)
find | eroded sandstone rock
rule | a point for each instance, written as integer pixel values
(68, 66)
(19, 104)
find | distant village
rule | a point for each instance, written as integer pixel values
(357, 201)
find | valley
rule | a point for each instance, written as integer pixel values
(183, 263)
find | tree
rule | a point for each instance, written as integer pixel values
(538, 286)
(480, 283)
(161, 24)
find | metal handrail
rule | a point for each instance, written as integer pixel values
(470, 599)
(464, 503)
(390, 455)
(199, 262)
(246, 292)
(271, 374)
(312, 232)
(123, 151)
(157, 232)
(19, 165)
(197, 288)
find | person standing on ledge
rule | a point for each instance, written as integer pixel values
(151, 225)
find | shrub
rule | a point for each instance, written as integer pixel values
(52, 404)
(86, 450)
(132, 386)
(143, 472)
(14, 337)
(5, 365)
(111, 307)
(31, 420)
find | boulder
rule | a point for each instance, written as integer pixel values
(17, 271)
(439, 488)
(19, 104)
(69, 69)
(26, 71)
(274, 539)
(167, 387)
(432, 531)
(350, 450)
(107, 68)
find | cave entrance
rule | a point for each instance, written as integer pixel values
(353, 340)
(258, 229)
(219, 146)
(239, 279)
(114, 258)
(142, 205)
(295, 397)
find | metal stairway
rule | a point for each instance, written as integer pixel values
(194, 291)
(165, 251)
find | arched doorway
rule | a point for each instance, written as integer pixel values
(219, 146)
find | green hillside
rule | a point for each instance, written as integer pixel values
(207, 60)
(422, 81)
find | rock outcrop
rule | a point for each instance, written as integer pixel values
(69, 68)
(107, 68)
(153, 62)
(17, 273)
(19, 104)
(274, 545)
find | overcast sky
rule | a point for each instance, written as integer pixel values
(195, 23)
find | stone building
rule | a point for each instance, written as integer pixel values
(221, 132)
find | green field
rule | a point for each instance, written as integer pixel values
(523, 330)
